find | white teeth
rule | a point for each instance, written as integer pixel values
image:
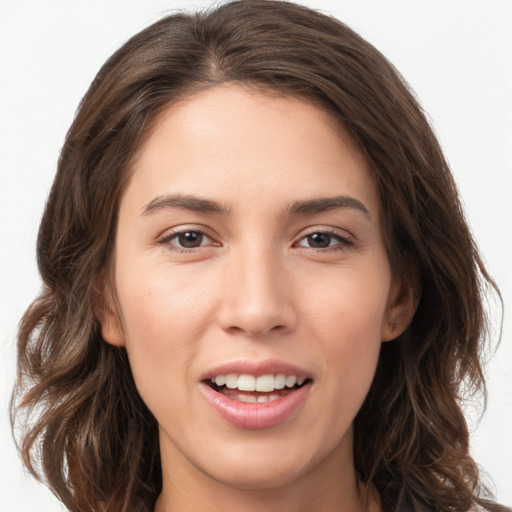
(291, 380)
(246, 383)
(280, 381)
(231, 380)
(220, 380)
(263, 383)
(248, 399)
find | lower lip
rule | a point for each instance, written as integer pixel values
(256, 416)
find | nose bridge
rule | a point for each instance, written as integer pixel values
(256, 297)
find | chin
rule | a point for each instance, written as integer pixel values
(265, 465)
(250, 477)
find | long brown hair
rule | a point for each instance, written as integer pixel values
(86, 431)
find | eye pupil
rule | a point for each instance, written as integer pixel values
(190, 239)
(319, 240)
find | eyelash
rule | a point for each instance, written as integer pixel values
(343, 243)
(167, 240)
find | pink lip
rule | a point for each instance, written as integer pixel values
(256, 416)
(261, 415)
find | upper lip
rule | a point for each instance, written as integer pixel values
(256, 368)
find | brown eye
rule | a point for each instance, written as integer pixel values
(319, 240)
(324, 240)
(190, 239)
(187, 240)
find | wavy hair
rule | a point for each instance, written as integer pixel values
(84, 429)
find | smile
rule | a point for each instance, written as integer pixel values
(256, 390)
(263, 383)
(256, 401)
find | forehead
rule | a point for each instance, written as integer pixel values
(249, 145)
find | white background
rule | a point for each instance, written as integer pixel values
(457, 55)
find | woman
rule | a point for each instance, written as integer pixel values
(248, 204)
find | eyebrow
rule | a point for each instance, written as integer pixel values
(327, 203)
(203, 205)
(184, 202)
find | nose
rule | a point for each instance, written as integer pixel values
(257, 296)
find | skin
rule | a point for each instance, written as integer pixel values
(254, 289)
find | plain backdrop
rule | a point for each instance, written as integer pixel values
(457, 56)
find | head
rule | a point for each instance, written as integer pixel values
(410, 418)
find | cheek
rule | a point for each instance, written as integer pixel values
(155, 297)
(346, 317)
(350, 304)
(163, 318)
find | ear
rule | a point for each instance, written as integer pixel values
(108, 315)
(402, 303)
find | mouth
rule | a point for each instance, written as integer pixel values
(250, 389)
(259, 396)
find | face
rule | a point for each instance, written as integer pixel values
(253, 286)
